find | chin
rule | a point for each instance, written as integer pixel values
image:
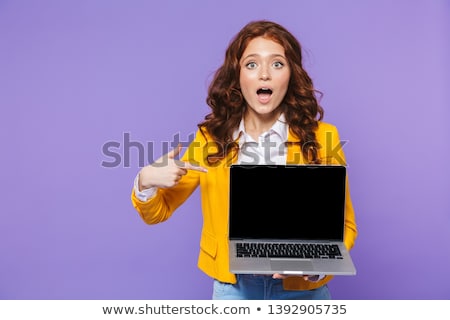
(263, 110)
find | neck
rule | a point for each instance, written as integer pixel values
(256, 124)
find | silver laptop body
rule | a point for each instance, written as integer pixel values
(288, 219)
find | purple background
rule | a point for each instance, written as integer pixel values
(75, 75)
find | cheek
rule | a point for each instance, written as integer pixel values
(244, 84)
(246, 94)
(285, 84)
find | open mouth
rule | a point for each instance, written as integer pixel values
(264, 91)
(264, 95)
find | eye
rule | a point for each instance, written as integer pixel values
(278, 64)
(251, 65)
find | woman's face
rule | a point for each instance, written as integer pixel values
(264, 75)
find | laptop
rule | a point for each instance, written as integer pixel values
(288, 219)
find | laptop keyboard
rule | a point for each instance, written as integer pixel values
(288, 250)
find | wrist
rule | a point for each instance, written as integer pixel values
(141, 184)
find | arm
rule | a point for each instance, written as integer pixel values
(173, 181)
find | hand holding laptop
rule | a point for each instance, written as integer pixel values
(166, 171)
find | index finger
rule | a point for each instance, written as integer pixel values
(187, 165)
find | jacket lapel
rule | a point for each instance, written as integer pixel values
(294, 151)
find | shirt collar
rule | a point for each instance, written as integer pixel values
(280, 127)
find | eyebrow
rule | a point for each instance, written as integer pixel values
(274, 55)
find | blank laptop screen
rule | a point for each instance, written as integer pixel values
(287, 202)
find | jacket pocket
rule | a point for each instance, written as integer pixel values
(209, 244)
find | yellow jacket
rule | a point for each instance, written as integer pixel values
(213, 256)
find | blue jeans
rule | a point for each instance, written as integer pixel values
(261, 287)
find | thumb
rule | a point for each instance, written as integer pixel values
(174, 152)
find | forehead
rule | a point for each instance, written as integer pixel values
(263, 46)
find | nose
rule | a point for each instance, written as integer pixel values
(264, 74)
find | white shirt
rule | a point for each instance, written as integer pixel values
(270, 147)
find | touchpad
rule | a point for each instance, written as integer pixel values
(291, 265)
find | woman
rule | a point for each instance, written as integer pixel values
(260, 94)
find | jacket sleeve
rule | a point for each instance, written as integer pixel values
(162, 205)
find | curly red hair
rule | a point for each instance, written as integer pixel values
(300, 106)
